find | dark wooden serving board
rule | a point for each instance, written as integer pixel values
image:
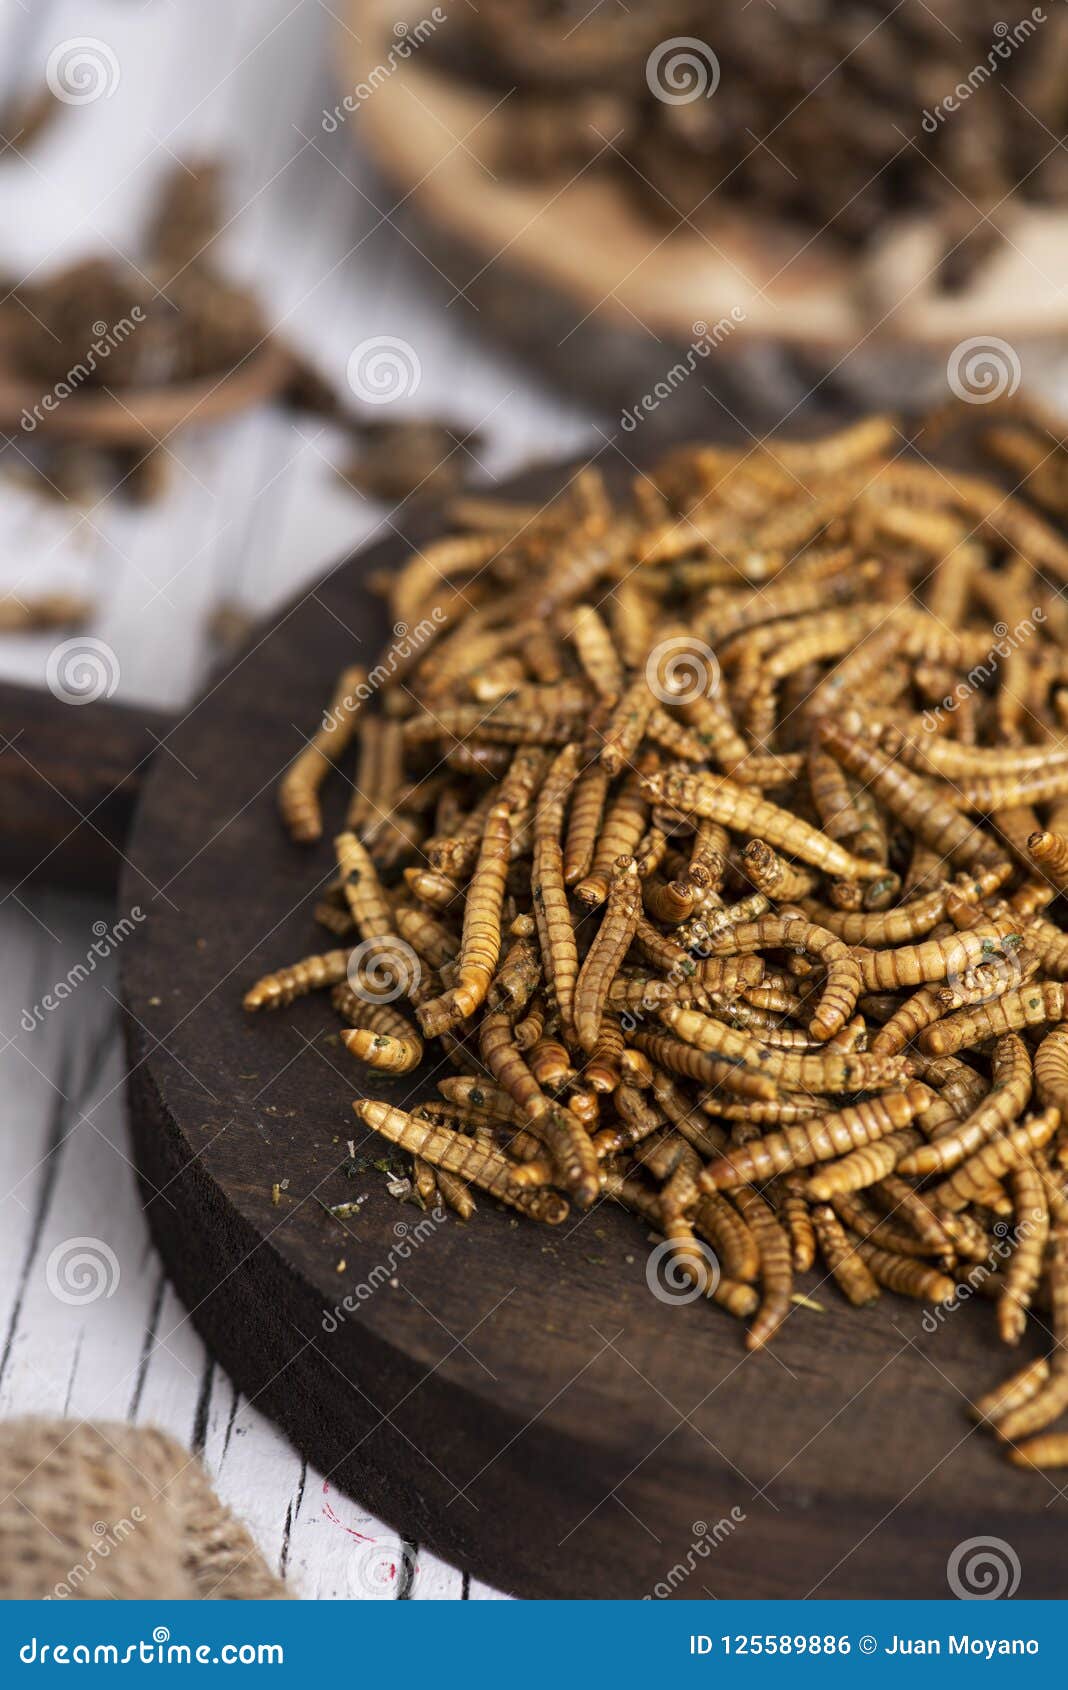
(513, 1397)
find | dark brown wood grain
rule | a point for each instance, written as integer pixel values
(70, 776)
(515, 1398)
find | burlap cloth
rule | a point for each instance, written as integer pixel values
(116, 1511)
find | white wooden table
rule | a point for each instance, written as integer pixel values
(254, 512)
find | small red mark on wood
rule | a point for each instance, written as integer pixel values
(331, 1514)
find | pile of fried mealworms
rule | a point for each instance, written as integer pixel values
(716, 836)
(832, 117)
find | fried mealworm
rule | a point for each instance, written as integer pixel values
(709, 1071)
(1030, 1232)
(818, 1140)
(794, 1210)
(610, 945)
(847, 1267)
(907, 1276)
(587, 808)
(480, 944)
(973, 1178)
(843, 978)
(1013, 1392)
(474, 1164)
(1012, 1081)
(1050, 1401)
(861, 1168)
(773, 875)
(1034, 1005)
(384, 1051)
(367, 901)
(556, 933)
(310, 974)
(734, 807)
(776, 1269)
(623, 827)
(730, 1237)
(914, 801)
(455, 1193)
(298, 790)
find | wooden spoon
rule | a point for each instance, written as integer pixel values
(140, 416)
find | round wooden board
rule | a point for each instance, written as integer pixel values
(513, 1397)
(606, 301)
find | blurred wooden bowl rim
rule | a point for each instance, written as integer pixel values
(432, 137)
